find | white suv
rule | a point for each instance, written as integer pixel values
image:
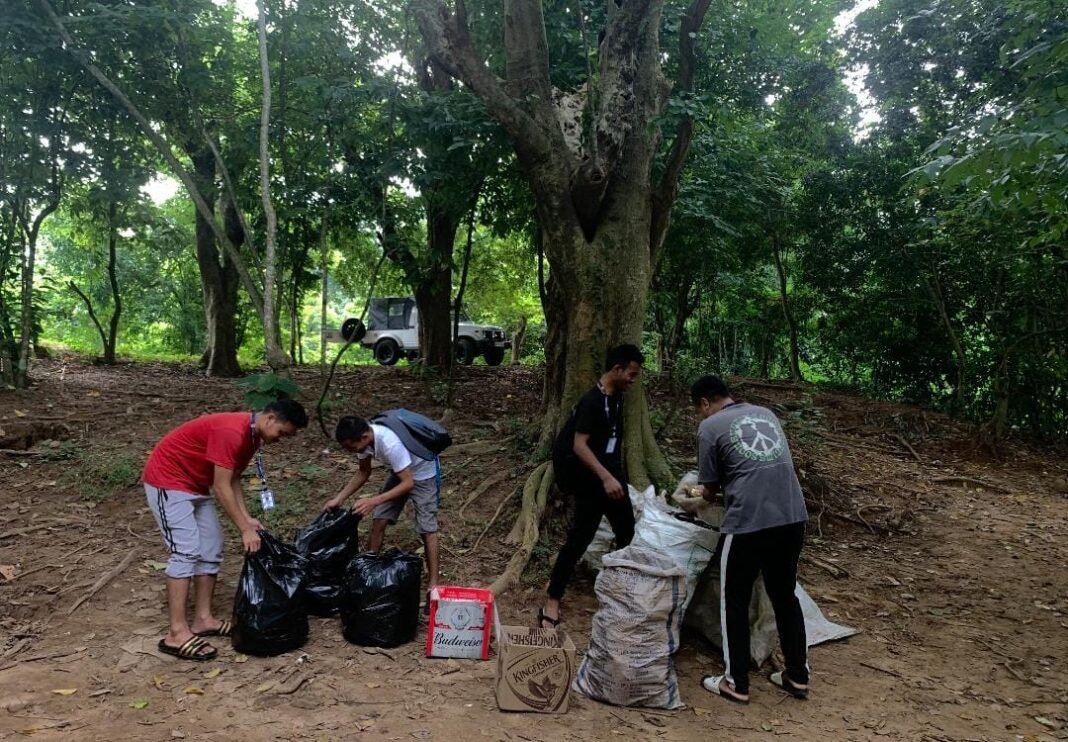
(393, 333)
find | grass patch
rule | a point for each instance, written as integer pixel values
(95, 472)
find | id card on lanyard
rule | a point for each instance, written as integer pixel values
(266, 496)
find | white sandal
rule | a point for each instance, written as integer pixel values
(713, 684)
(782, 680)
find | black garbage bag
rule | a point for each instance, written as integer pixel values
(380, 598)
(269, 613)
(328, 543)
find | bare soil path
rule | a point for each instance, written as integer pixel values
(957, 576)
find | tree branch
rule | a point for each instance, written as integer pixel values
(666, 192)
(276, 357)
(449, 42)
(228, 183)
(255, 295)
(92, 314)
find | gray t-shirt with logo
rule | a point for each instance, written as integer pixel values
(743, 449)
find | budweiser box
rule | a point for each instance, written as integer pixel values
(459, 625)
(535, 668)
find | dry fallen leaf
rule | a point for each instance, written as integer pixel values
(157, 566)
(65, 691)
(20, 413)
(213, 673)
(158, 682)
(193, 691)
(374, 685)
(140, 703)
(241, 658)
(264, 688)
(7, 571)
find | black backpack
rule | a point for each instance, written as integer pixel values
(422, 436)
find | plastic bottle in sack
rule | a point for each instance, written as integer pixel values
(328, 543)
(380, 598)
(269, 615)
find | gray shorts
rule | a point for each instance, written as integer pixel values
(424, 499)
(191, 531)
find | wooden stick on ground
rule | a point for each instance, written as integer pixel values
(103, 581)
(969, 480)
(38, 527)
(488, 525)
(481, 489)
(882, 669)
(905, 443)
(836, 571)
(35, 570)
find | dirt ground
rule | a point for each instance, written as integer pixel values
(954, 567)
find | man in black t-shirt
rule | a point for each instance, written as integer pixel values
(588, 462)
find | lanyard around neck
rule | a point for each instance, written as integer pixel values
(607, 411)
(257, 446)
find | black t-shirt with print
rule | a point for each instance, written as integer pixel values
(601, 417)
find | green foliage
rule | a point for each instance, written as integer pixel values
(920, 259)
(262, 389)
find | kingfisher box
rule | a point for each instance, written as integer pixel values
(460, 622)
(535, 669)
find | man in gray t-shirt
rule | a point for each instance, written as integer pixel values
(743, 456)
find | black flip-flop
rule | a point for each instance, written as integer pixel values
(712, 683)
(190, 650)
(225, 629)
(542, 618)
(782, 681)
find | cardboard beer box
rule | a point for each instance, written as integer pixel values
(460, 621)
(535, 669)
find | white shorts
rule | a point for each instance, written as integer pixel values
(191, 531)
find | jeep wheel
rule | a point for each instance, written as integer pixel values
(466, 351)
(353, 330)
(387, 352)
(494, 356)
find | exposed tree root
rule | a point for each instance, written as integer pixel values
(535, 495)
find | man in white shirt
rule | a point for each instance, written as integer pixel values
(411, 479)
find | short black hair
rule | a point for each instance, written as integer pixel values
(710, 388)
(288, 411)
(350, 428)
(622, 355)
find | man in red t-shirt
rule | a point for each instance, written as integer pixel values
(208, 453)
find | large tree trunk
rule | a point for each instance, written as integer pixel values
(116, 298)
(433, 290)
(601, 308)
(30, 232)
(29, 258)
(784, 298)
(517, 340)
(934, 288)
(601, 216)
(218, 278)
(9, 347)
